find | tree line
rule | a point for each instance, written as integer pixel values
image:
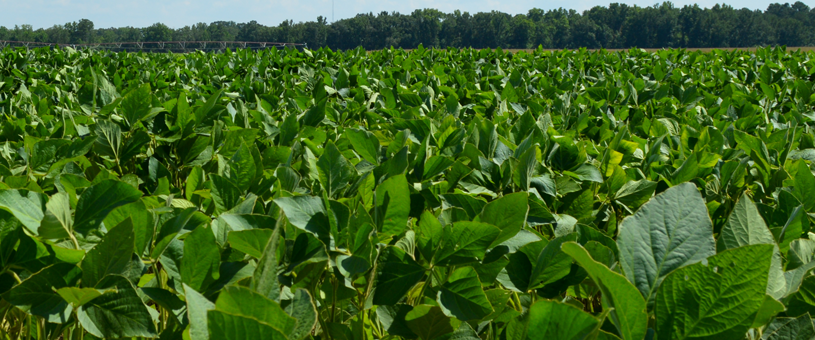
(614, 26)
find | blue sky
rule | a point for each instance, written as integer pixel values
(179, 13)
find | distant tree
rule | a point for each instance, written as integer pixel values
(157, 32)
(223, 31)
(82, 31)
(614, 26)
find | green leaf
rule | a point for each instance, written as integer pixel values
(465, 242)
(392, 206)
(301, 308)
(718, 297)
(436, 165)
(111, 256)
(133, 145)
(429, 322)
(197, 308)
(745, 226)
(635, 193)
(804, 186)
(537, 264)
(108, 139)
(225, 194)
(27, 207)
(137, 104)
(243, 301)
(429, 233)
(365, 144)
(117, 315)
(98, 200)
(223, 325)
(264, 278)
(335, 171)
(80, 296)
(242, 168)
(169, 230)
(555, 320)
(143, 223)
(508, 213)
(627, 306)
(167, 300)
(670, 231)
(469, 204)
(397, 274)
(36, 296)
(462, 297)
(770, 307)
(202, 258)
(799, 328)
(306, 212)
(58, 222)
(252, 241)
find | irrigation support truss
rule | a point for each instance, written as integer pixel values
(159, 46)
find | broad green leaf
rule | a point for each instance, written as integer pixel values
(799, 328)
(465, 242)
(197, 307)
(36, 294)
(306, 212)
(143, 223)
(555, 320)
(745, 226)
(224, 325)
(117, 315)
(98, 200)
(202, 258)
(111, 256)
(169, 230)
(264, 278)
(462, 297)
(301, 308)
(27, 207)
(635, 193)
(537, 264)
(251, 242)
(672, 230)
(428, 234)
(58, 222)
(397, 273)
(242, 168)
(241, 222)
(392, 206)
(436, 165)
(245, 302)
(137, 104)
(770, 307)
(335, 171)
(804, 185)
(726, 295)
(508, 213)
(628, 308)
(80, 296)
(468, 203)
(365, 144)
(225, 194)
(108, 139)
(167, 300)
(429, 322)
